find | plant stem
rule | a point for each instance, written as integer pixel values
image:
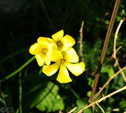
(81, 42)
(20, 93)
(103, 98)
(18, 70)
(113, 76)
(104, 48)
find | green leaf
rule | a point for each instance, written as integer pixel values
(42, 94)
(49, 99)
(104, 69)
(110, 71)
(122, 105)
(1, 101)
(118, 82)
(81, 103)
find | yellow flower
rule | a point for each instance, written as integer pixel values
(41, 49)
(63, 61)
(63, 42)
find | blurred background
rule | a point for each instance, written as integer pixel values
(23, 21)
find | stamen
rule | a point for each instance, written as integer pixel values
(45, 51)
(63, 60)
(59, 43)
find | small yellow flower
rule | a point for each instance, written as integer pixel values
(63, 61)
(41, 49)
(63, 42)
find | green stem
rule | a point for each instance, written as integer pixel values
(74, 93)
(18, 70)
(20, 93)
(104, 48)
(100, 108)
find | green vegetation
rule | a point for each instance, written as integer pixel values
(28, 90)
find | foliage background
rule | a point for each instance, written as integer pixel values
(23, 21)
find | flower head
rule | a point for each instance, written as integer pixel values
(63, 61)
(58, 50)
(63, 42)
(40, 50)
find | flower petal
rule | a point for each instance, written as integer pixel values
(55, 55)
(63, 76)
(58, 35)
(47, 61)
(77, 68)
(50, 40)
(35, 49)
(68, 40)
(71, 55)
(40, 59)
(52, 47)
(43, 41)
(51, 69)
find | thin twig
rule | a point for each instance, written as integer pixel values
(81, 42)
(71, 111)
(104, 48)
(114, 48)
(115, 38)
(124, 77)
(101, 89)
(103, 98)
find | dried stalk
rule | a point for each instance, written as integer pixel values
(81, 42)
(114, 48)
(71, 111)
(116, 6)
(109, 81)
(103, 98)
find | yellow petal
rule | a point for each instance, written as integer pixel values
(47, 61)
(51, 69)
(52, 47)
(55, 55)
(50, 40)
(63, 76)
(40, 59)
(35, 49)
(77, 68)
(58, 35)
(43, 41)
(71, 55)
(68, 40)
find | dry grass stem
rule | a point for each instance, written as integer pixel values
(81, 42)
(71, 111)
(115, 38)
(109, 81)
(103, 98)
(114, 48)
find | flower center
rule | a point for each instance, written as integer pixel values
(59, 45)
(63, 60)
(44, 51)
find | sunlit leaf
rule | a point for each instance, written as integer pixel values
(42, 94)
